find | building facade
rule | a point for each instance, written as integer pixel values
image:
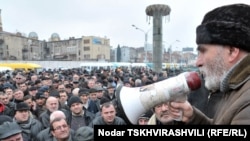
(18, 47)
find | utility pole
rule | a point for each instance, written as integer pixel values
(145, 42)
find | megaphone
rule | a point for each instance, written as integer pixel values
(137, 100)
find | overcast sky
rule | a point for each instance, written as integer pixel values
(107, 18)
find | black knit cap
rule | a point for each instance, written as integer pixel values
(226, 25)
(74, 99)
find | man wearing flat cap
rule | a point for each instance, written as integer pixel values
(30, 126)
(99, 92)
(40, 103)
(93, 97)
(10, 131)
(88, 104)
(111, 93)
(144, 118)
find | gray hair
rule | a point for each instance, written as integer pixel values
(56, 114)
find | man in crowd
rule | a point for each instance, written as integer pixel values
(52, 104)
(18, 96)
(88, 104)
(60, 130)
(30, 126)
(161, 115)
(40, 103)
(84, 133)
(10, 131)
(45, 134)
(108, 116)
(4, 99)
(79, 116)
(63, 99)
(144, 118)
(9, 91)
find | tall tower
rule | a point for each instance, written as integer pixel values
(1, 25)
(157, 11)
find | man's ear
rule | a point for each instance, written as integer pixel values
(52, 132)
(233, 53)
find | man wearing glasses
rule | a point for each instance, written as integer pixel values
(60, 130)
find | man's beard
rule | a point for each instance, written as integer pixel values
(214, 71)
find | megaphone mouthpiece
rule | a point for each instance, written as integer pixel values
(193, 80)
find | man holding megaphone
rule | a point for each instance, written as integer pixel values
(223, 40)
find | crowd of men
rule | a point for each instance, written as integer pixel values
(33, 100)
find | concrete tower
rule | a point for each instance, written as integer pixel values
(1, 25)
(157, 11)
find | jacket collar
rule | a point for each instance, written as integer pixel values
(237, 76)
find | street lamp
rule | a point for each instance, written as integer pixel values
(146, 40)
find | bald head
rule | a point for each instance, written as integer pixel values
(57, 114)
(75, 91)
(51, 98)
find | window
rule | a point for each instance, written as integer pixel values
(87, 56)
(86, 48)
(86, 41)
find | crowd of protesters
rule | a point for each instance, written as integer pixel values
(84, 99)
(75, 100)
